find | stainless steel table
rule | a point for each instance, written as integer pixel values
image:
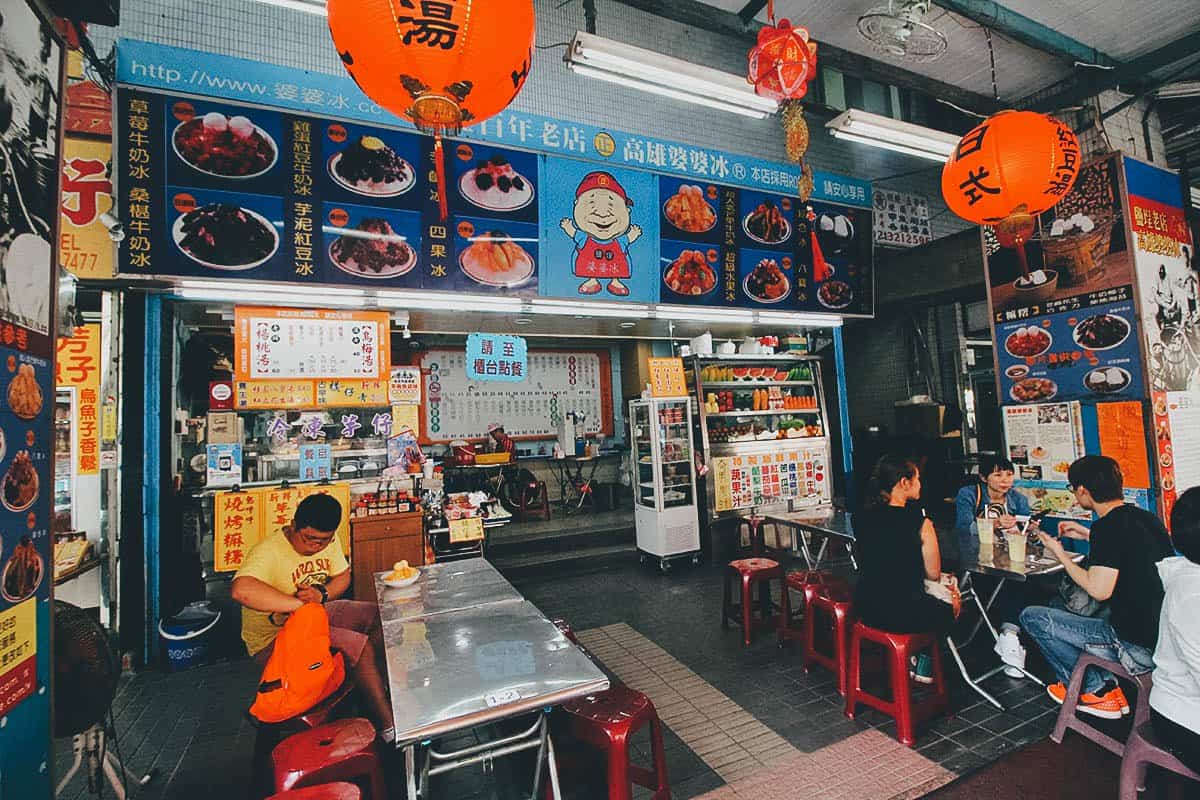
(827, 523)
(995, 561)
(451, 670)
(444, 587)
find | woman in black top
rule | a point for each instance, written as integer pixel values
(897, 551)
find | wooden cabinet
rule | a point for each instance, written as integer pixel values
(376, 543)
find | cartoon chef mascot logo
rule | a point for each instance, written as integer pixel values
(602, 231)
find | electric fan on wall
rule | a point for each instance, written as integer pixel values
(899, 29)
(85, 681)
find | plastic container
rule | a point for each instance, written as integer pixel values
(186, 635)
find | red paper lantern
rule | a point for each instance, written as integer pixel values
(442, 64)
(783, 61)
(1014, 162)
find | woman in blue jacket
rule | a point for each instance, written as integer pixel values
(991, 496)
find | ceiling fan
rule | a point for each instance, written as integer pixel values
(899, 29)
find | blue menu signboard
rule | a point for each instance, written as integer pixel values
(222, 190)
(1084, 354)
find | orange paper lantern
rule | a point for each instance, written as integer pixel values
(1013, 162)
(442, 64)
(783, 61)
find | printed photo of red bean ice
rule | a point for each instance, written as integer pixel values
(228, 147)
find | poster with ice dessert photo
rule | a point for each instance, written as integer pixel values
(1066, 258)
(690, 211)
(368, 166)
(692, 273)
(371, 245)
(220, 146)
(492, 256)
(493, 182)
(222, 234)
(834, 250)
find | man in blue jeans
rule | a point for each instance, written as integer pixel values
(1126, 543)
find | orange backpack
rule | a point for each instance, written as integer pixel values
(303, 669)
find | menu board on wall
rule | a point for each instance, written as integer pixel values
(307, 344)
(242, 519)
(558, 381)
(751, 480)
(1077, 253)
(1123, 438)
(31, 66)
(1179, 453)
(222, 190)
(901, 218)
(1087, 354)
(1043, 439)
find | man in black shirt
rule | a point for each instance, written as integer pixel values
(1126, 543)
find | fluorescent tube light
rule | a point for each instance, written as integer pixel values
(638, 68)
(704, 314)
(307, 6)
(422, 301)
(804, 320)
(275, 299)
(586, 309)
(893, 134)
(1178, 89)
(246, 288)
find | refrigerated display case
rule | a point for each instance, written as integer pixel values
(665, 481)
(763, 431)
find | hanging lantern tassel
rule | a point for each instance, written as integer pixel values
(439, 159)
(820, 267)
(796, 130)
(804, 186)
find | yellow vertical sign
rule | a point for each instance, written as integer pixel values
(666, 377)
(722, 484)
(78, 366)
(237, 527)
(84, 246)
(18, 653)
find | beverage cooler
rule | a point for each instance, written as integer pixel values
(763, 431)
(664, 480)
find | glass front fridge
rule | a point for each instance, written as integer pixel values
(665, 480)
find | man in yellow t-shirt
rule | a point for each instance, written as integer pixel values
(304, 564)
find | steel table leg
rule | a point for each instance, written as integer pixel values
(410, 767)
(552, 768)
(974, 684)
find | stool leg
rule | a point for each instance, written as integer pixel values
(902, 696)
(785, 611)
(726, 600)
(939, 676)
(809, 636)
(619, 787)
(765, 604)
(659, 756)
(747, 607)
(756, 537)
(853, 681)
(839, 649)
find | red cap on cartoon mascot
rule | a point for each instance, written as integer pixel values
(602, 180)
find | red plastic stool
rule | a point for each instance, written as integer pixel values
(341, 751)
(837, 606)
(269, 735)
(326, 791)
(809, 583)
(750, 571)
(607, 721)
(754, 528)
(900, 647)
(535, 491)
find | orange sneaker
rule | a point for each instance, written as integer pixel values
(1110, 705)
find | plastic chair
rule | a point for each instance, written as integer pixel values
(837, 607)
(341, 751)
(270, 734)
(900, 647)
(326, 791)
(534, 502)
(809, 583)
(606, 721)
(748, 572)
(1066, 714)
(1141, 750)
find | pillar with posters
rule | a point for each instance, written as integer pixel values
(1104, 332)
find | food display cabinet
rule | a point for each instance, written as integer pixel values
(664, 480)
(763, 431)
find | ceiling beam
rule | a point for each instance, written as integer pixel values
(1028, 32)
(751, 9)
(1090, 82)
(726, 23)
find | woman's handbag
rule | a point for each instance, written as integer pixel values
(1076, 599)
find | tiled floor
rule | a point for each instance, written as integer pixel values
(739, 722)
